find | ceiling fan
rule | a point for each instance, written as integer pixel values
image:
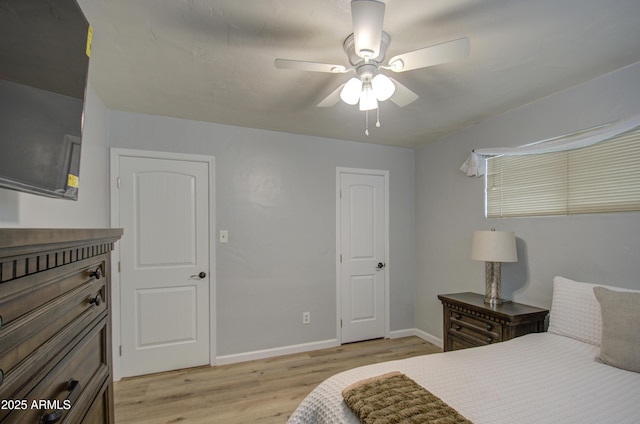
(366, 48)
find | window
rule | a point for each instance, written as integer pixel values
(604, 177)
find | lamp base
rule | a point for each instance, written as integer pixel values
(493, 302)
(492, 283)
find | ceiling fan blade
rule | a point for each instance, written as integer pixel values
(300, 65)
(430, 56)
(402, 96)
(368, 18)
(332, 99)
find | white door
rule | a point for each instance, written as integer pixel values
(164, 260)
(363, 246)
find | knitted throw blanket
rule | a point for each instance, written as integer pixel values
(394, 398)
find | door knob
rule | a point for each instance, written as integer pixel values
(380, 265)
(202, 274)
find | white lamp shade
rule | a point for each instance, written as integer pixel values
(383, 87)
(350, 93)
(494, 246)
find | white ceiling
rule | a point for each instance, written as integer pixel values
(212, 60)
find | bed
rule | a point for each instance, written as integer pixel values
(570, 374)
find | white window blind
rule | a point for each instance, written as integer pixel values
(604, 177)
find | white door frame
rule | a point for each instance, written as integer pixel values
(116, 154)
(385, 174)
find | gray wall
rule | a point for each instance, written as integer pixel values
(603, 248)
(275, 194)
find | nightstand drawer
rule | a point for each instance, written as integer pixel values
(471, 327)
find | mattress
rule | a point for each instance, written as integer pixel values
(537, 378)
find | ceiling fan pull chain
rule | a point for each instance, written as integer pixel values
(366, 122)
(378, 117)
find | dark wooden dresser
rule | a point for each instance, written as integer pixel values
(55, 325)
(469, 322)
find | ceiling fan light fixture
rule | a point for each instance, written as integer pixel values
(383, 87)
(368, 99)
(350, 93)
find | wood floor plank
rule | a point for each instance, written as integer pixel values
(263, 392)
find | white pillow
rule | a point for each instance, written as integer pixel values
(575, 311)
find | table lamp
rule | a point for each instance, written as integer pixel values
(493, 247)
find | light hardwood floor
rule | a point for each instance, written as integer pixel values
(263, 392)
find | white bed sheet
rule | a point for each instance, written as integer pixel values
(537, 378)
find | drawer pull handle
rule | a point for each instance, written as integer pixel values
(489, 327)
(73, 387)
(457, 316)
(97, 273)
(458, 328)
(96, 300)
(489, 339)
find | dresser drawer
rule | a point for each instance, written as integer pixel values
(34, 341)
(474, 329)
(99, 412)
(25, 295)
(67, 391)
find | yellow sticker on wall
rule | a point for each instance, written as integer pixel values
(89, 39)
(73, 181)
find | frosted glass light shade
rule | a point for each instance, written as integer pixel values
(368, 99)
(383, 87)
(350, 93)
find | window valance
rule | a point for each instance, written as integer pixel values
(475, 165)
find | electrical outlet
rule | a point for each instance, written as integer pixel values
(306, 317)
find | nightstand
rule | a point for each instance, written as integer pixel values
(469, 322)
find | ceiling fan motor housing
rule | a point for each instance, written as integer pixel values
(349, 47)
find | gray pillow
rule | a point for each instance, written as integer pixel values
(620, 346)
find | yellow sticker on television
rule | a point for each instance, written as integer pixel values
(89, 39)
(73, 181)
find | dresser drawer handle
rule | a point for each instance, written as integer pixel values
(458, 328)
(97, 273)
(489, 327)
(96, 300)
(73, 387)
(489, 339)
(457, 316)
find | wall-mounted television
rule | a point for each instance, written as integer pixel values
(44, 62)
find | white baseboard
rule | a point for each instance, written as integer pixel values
(418, 333)
(278, 351)
(306, 347)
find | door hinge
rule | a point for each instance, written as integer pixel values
(120, 349)
(340, 323)
(118, 266)
(118, 182)
(341, 258)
